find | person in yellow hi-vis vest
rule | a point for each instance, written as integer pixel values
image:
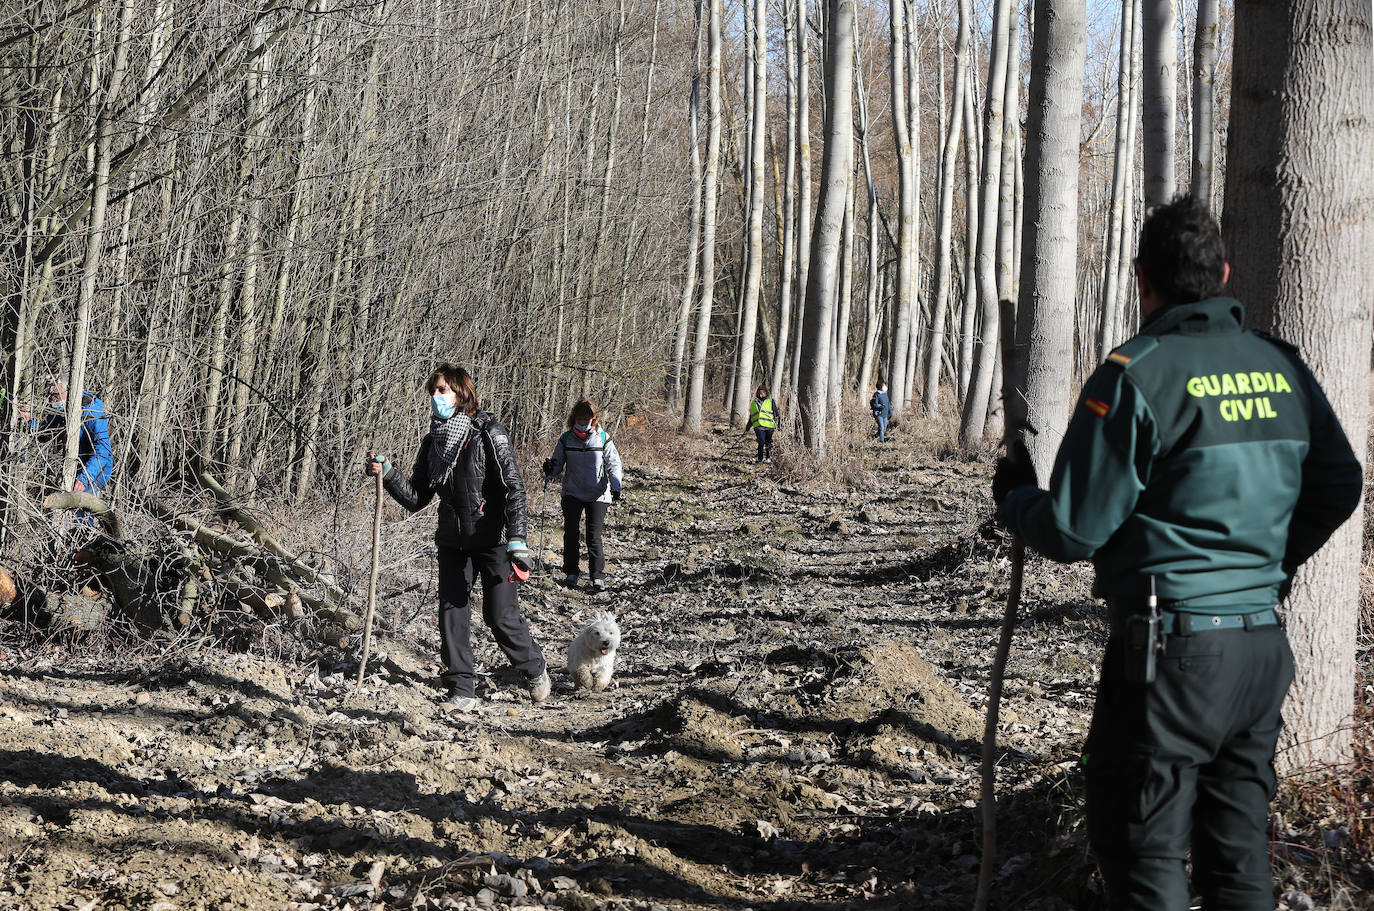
(763, 418)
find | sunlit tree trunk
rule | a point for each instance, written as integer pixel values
(901, 31)
(994, 222)
(1158, 19)
(1299, 227)
(823, 280)
(1205, 42)
(696, 386)
(753, 278)
(804, 193)
(944, 229)
(1044, 316)
(788, 259)
(95, 241)
(689, 284)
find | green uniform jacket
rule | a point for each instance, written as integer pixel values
(1201, 454)
(762, 414)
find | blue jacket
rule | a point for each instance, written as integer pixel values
(97, 456)
(881, 405)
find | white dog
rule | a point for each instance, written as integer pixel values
(591, 656)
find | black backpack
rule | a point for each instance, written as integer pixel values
(876, 404)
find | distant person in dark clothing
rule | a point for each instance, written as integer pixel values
(881, 406)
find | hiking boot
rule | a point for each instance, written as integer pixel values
(456, 702)
(599, 584)
(570, 580)
(540, 686)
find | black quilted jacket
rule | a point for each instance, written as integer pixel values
(482, 505)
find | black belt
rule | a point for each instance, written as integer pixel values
(1183, 623)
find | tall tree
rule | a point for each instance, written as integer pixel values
(691, 419)
(803, 36)
(993, 242)
(95, 236)
(753, 277)
(1123, 157)
(823, 280)
(902, 31)
(788, 259)
(1205, 41)
(1158, 19)
(689, 282)
(1299, 222)
(1044, 315)
(944, 229)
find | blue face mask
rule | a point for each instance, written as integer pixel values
(443, 405)
(60, 406)
(585, 428)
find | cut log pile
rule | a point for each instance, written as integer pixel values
(177, 571)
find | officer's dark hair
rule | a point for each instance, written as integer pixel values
(1181, 252)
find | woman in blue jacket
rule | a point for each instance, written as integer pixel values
(97, 456)
(591, 472)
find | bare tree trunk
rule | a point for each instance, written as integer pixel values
(944, 254)
(753, 278)
(838, 360)
(95, 240)
(823, 279)
(804, 191)
(689, 284)
(1044, 317)
(1122, 159)
(1205, 41)
(871, 328)
(786, 286)
(994, 234)
(691, 421)
(1158, 19)
(968, 312)
(901, 30)
(1300, 225)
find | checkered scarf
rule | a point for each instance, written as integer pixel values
(447, 439)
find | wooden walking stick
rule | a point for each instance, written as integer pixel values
(372, 581)
(1016, 416)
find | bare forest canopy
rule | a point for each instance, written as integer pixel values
(273, 218)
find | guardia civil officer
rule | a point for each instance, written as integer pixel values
(1205, 458)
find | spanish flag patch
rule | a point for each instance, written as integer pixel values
(1098, 408)
(1120, 358)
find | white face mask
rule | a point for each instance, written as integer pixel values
(442, 404)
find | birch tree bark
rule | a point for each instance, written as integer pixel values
(1044, 316)
(823, 278)
(1299, 227)
(1158, 19)
(691, 420)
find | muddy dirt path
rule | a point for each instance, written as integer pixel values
(794, 724)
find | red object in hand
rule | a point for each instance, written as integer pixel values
(519, 573)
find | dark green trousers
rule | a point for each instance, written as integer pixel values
(1187, 761)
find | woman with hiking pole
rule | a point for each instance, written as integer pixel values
(468, 461)
(592, 477)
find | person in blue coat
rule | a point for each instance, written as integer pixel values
(95, 452)
(881, 406)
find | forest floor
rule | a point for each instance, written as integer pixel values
(795, 724)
